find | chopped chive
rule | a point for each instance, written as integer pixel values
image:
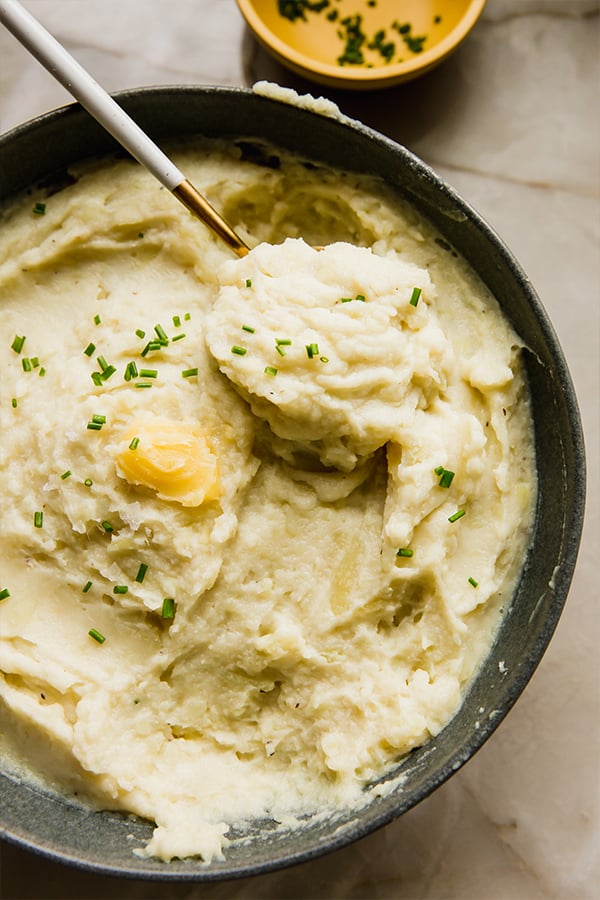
(248, 328)
(141, 334)
(98, 419)
(120, 589)
(26, 363)
(187, 317)
(270, 370)
(151, 345)
(99, 638)
(472, 582)
(178, 337)
(148, 373)
(143, 384)
(38, 519)
(89, 349)
(280, 349)
(346, 300)
(108, 372)
(14, 402)
(168, 608)
(140, 234)
(94, 426)
(189, 373)
(86, 587)
(65, 475)
(42, 371)
(248, 282)
(446, 478)
(405, 552)
(312, 350)
(134, 443)
(39, 209)
(141, 573)
(283, 342)
(131, 371)
(4, 593)
(438, 470)
(176, 321)
(457, 515)
(161, 334)
(102, 363)
(414, 297)
(361, 297)
(324, 359)
(239, 351)
(107, 527)
(96, 378)
(35, 363)
(97, 319)
(88, 482)
(17, 344)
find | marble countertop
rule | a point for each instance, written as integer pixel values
(511, 121)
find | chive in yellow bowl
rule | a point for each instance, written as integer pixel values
(360, 44)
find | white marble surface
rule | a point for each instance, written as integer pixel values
(511, 121)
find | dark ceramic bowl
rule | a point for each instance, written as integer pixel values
(40, 151)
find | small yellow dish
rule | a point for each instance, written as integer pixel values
(360, 44)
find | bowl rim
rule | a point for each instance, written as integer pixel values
(384, 75)
(69, 114)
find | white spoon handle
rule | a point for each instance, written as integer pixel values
(80, 84)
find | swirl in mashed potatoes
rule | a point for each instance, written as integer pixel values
(259, 515)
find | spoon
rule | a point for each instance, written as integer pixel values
(53, 56)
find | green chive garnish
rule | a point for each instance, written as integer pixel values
(39, 209)
(86, 587)
(361, 297)
(14, 402)
(187, 317)
(161, 334)
(346, 300)
(66, 475)
(312, 350)
(35, 362)
(189, 373)
(248, 328)
(134, 443)
(405, 552)
(88, 482)
(176, 321)
(4, 593)
(270, 370)
(144, 384)
(248, 282)
(177, 337)
(151, 345)
(414, 297)
(239, 351)
(148, 373)
(141, 334)
(97, 319)
(108, 372)
(457, 515)
(38, 519)
(26, 363)
(141, 573)
(168, 608)
(107, 527)
(472, 582)
(446, 477)
(42, 372)
(283, 342)
(96, 378)
(89, 349)
(120, 589)
(131, 371)
(94, 426)
(99, 638)
(98, 419)
(17, 344)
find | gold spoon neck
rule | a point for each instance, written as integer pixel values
(200, 207)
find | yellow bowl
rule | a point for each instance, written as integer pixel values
(398, 39)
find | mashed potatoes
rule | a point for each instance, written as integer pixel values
(259, 516)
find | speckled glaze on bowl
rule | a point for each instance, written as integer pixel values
(40, 151)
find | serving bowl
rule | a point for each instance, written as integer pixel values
(40, 151)
(361, 44)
